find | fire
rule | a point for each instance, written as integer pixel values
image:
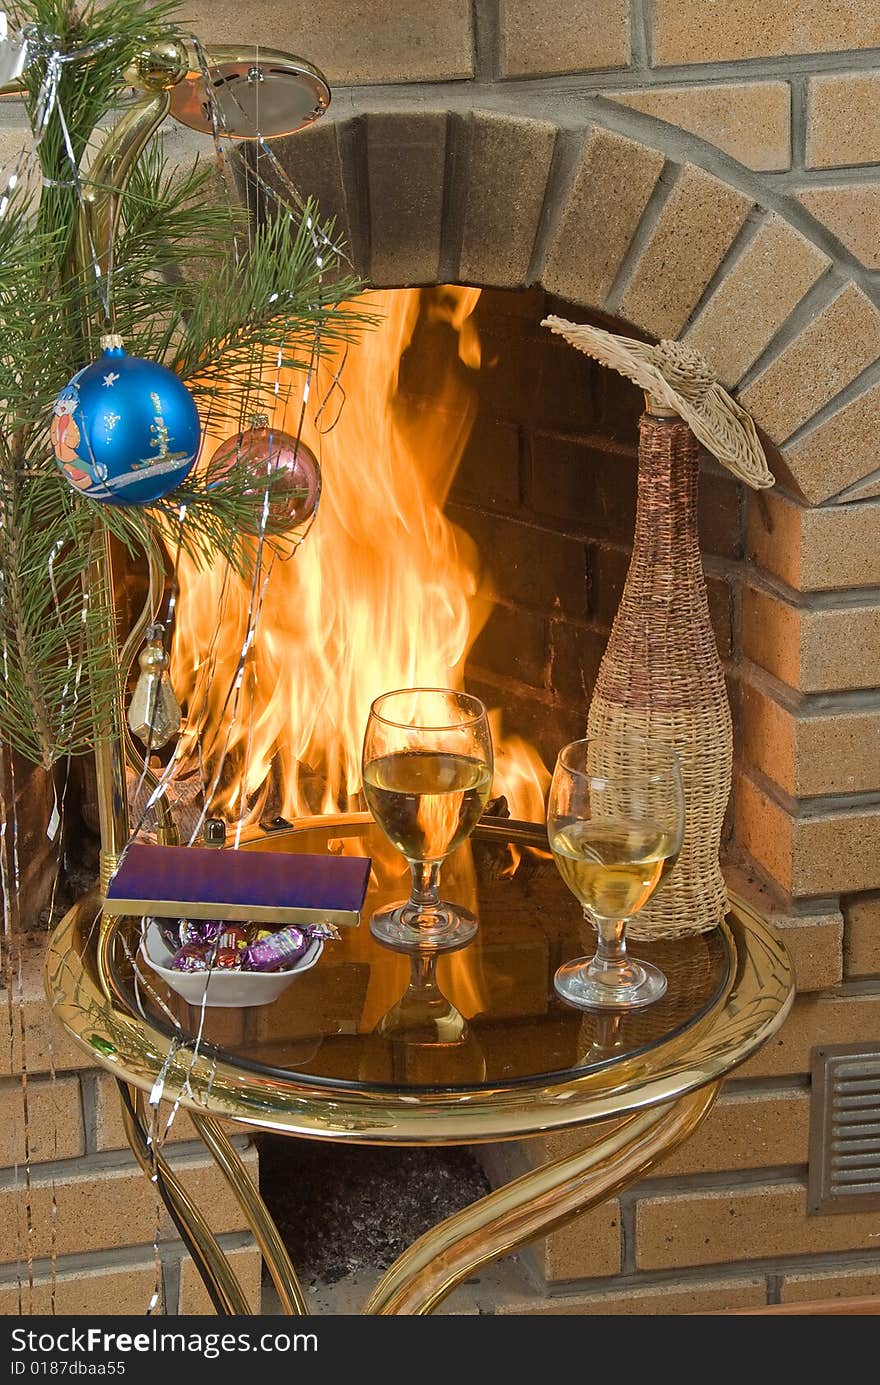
(384, 593)
(522, 777)
(438, 817)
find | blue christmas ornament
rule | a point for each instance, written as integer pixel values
(125, 430)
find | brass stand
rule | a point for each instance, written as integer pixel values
(655, 1095)
(425, 1274)
(534, 1205)
(110, 173)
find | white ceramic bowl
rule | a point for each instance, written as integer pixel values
(227, 989)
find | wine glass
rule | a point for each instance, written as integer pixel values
(423, 1039)
(615, 821)
(427, 773)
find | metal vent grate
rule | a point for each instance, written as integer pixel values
(844, 1174)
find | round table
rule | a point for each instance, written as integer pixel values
(371, 1046)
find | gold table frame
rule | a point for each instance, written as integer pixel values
(656, 1096)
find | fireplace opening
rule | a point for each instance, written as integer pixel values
(474, 529)
(346, 1212)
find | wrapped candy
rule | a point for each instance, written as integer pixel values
(281, 949)
(199, 930)
(285, 948)
(177, 933)
(191, 957)
(169, 931)
(204, 944)
(231, 946)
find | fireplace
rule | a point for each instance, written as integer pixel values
(492, 549)
(686, 175)
(477, 520)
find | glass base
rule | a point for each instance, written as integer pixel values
(405, 928)
(586, 985)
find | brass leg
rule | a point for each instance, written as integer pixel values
(226, 1293)
(534, 1204)
(272, 1247)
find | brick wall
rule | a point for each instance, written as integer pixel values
(71, 1194)
(709, 171)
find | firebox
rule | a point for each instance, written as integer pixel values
(475, 527)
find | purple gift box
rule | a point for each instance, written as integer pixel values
(274, 888)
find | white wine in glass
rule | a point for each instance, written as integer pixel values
(427, 775)
(427, 802)
(615, 822)
(613, 868)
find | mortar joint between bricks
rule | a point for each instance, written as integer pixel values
(589, 580)
(459, 139)
(567, 150)
(830, 284)
(694, 74)
(864, 381)
(640, 37)
(170, 1277)
(486, 38)
(628, 1235)
(351, 140)
(821, 704)
(88, 1086)
(798, 87)
(756, 218)
(848, 495)
(660, 195)
(811, 602)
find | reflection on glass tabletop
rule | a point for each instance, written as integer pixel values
(481, 1017)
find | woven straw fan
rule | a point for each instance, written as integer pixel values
(661, 678)
(681, 378)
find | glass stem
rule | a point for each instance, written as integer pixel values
(425, 891)
(611, 954)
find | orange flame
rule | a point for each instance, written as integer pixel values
(385, 592)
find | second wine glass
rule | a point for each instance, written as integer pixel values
(427, 774)
(615, 820)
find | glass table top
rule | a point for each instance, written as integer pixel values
(481, 1017)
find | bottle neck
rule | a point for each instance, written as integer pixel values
(661, 653)
(666, 513)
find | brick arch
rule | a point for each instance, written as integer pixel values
(624, 215)
(625, 227)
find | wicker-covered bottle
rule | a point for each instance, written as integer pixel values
(661, 676)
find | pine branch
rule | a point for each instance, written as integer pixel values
(17, 633)
(276, 299)
(180, 296)
(59, 674)
(87, 91)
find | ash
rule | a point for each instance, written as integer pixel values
(343, 1210)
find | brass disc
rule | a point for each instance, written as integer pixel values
(267, 96)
